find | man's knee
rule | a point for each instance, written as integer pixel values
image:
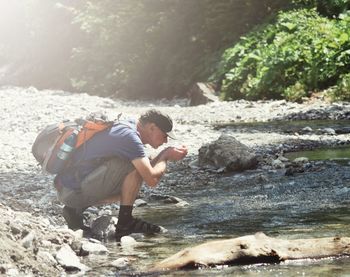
(133, 178)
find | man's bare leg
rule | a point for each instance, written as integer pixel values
(130, 188)
(126, 223)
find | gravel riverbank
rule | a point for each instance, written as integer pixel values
(28, 202)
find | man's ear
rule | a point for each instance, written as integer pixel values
(152, 126)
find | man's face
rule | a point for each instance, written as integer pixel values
(157, 137)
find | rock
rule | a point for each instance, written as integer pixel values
(120, 263)
(283, 159)
(69, 260)
(277, 164)
(127, 241)
(229, 153)
(46, 257)
(300, 160)
(294, 169)
(140, 203)
(103, 227)
(306, 129)
(328, 131)
(28, 240)
(15, 230)
(128, 244)
(167, 199)
(93, 248)
(202, 93)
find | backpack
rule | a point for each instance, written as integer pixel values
(48, 143)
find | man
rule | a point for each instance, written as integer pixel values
(112, 166)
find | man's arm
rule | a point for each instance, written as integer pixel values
(152, 171)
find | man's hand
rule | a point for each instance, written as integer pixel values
(175, 153)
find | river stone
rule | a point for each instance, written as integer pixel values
(301, 160)
(93, 248)
(229, 153)
(103, 227)
(277, 164)
(202, 93)
(46, 257)
(120, 263)
(127, 241)
(168, 199)
(28, 240)
(140, 203)
(69, 260)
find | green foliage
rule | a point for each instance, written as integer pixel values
(300, 52)
(330, 8)
(341, 91)
(295, 92)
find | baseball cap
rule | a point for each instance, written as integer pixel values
(163, 122)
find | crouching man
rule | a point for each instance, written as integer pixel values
(112, 166)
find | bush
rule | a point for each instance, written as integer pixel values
(301, 51)
(295, 92)
(330, 8)
(341, 91)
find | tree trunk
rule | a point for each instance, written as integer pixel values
(251, 249)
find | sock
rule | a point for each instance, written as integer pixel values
(124, 214)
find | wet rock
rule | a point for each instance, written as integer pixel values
(69, 260)
(120, 263)
(89, 247)
(343, 130)
(229, 153)
(306, 129)
(140, 203)
(277, 164)
(104, 227)
(294, 169)
(328, 131)
(300, 160)
(167, 199)
(127, 241)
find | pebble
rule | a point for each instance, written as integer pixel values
(69, 260)
(120, 263)
(27, 241)
(94, 248)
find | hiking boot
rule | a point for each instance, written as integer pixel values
(73, 217)
(135, 226)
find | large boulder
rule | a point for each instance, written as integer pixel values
(202, 93)
(227, 153)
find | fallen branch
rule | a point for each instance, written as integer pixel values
(251, 249)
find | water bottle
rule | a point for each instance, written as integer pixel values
(64, 152)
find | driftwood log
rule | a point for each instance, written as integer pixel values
(251, 249)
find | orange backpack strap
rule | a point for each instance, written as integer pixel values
(89, 129)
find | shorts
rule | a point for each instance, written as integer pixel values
(103, 182)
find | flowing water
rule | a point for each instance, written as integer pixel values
(308, 205)
(341, 154)
(296, 126)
